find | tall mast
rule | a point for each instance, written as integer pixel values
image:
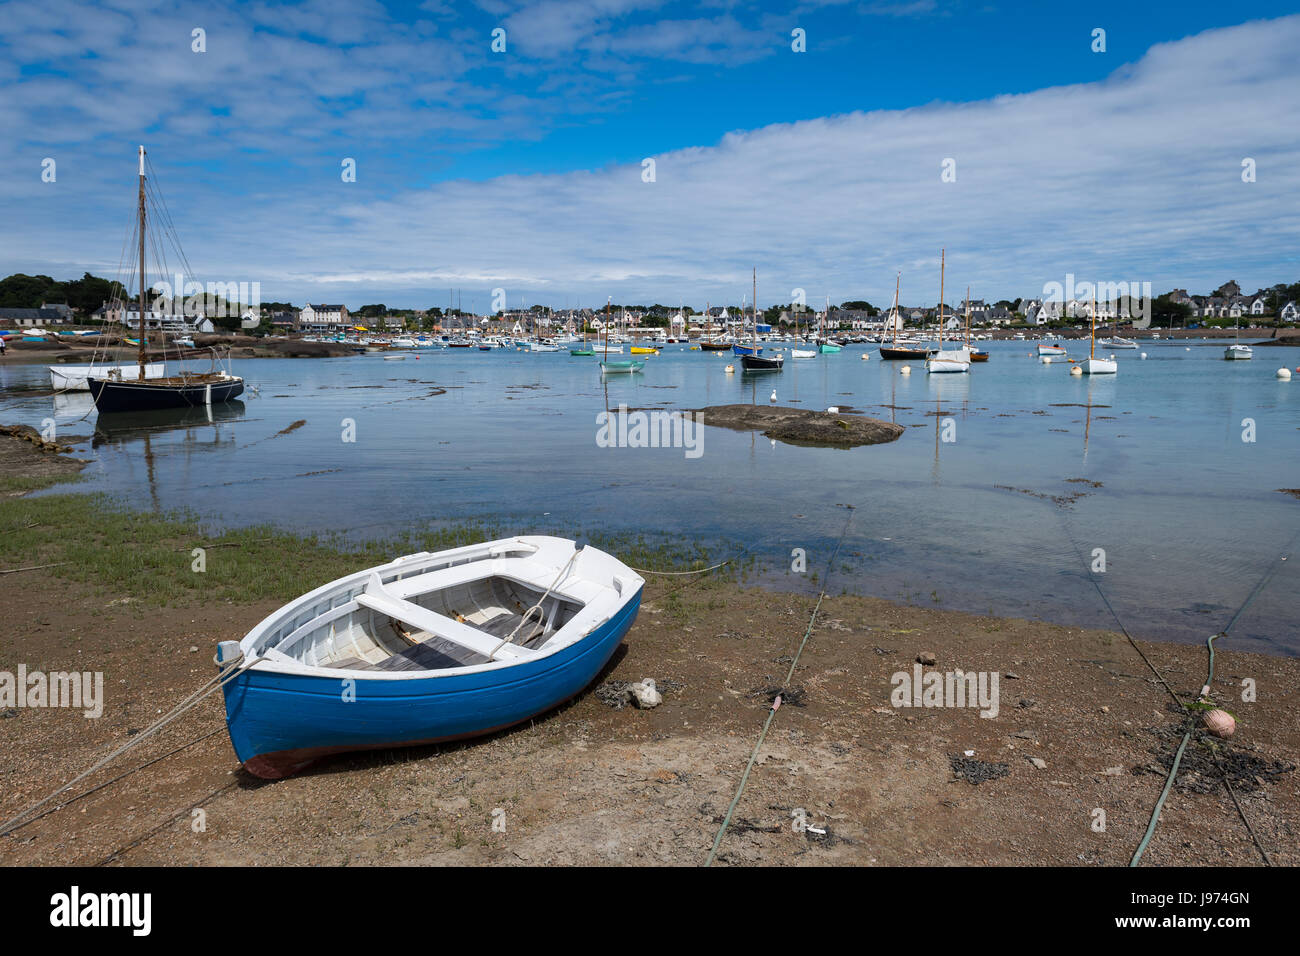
(898, 277)
(754, 308)
(942, 253)
(140, 355)
(968, 317)
(607, 302)
(1092, 326)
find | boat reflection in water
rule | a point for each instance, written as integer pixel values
(116, 428)
(73, 404)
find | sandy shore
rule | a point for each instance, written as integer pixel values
(1083, 729)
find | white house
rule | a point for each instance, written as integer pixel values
(323, 317)
(1289, 313)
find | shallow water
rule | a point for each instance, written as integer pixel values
(972, 509)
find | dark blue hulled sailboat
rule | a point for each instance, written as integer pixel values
(115, 391)
(752, 358)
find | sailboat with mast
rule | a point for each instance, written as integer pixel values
(824, 345)
(901, 350)
(753, 360)
(1236, 351)
(741, 348)
(946, 360)
(621, 367)
(798, 337)
(1093, 365)
(586, 349)
(118, 392)
(976, 355)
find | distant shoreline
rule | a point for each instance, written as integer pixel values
(249, 347)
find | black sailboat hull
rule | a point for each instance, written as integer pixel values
(112, 396)
(761, 363)
(902, 354)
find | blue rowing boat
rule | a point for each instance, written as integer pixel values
(426, 648)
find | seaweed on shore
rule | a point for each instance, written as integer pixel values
(1208, 761)
(975, 771)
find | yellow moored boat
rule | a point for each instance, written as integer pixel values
(643, 350)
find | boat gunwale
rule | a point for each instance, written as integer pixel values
(285, 665)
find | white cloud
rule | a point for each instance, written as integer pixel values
(1136, 178)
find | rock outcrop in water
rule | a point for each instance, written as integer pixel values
(801, 426)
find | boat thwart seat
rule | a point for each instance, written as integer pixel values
(376, 598)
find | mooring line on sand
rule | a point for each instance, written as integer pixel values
(112, 780)
(776, 703)
(162, 826)
(1190, 719)
(222, 678)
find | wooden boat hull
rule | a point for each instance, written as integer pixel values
(582, 352)
(762, 363)
(329, 674)
(904, 353)
(127, 396)
(746, 350)
(977, 356)
(714, 347)
(1096, 366)
(638, 350)
(625, 367)
(829, 349)
(281, 723)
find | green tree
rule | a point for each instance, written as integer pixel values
(1167, 313)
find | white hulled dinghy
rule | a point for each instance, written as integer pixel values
(426, 648)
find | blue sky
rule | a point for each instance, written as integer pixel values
(523, 170)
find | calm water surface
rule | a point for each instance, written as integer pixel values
(1003, 518)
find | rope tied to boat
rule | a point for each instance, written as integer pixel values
(540, 601)
(223, 677)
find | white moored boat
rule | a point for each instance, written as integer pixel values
(75, 378)
(1236, 351)
(946, 360)
(1093, 365)
(426, 648)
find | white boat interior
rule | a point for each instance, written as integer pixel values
(487, 605)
